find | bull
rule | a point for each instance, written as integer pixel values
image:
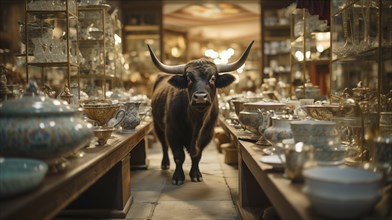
(185, 109)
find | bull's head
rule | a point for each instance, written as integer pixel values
(200, 77)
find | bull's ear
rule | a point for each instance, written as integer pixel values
(224, 80)
(178, 81)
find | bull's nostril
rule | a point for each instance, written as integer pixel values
(200, 98)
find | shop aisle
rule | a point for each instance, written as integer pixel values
(156, 198)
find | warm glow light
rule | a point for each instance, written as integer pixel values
(320, 48)
(307, 54)
(299, 55)
(117, 39)
(241, 69)
(175, 52)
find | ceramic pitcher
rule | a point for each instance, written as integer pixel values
(131, 119)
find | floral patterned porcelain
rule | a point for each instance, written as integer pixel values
(40, 127)
(131, 119)
(101, 113)
(279, 130)
(103, 134)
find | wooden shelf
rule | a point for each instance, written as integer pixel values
(58, 190)
(53, 64)
(141, 28)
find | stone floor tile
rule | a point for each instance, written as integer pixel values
(194, 210)
(196, 192)
(141, 210)
(211, 199)
(146, 196)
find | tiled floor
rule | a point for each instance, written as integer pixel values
(156, 198)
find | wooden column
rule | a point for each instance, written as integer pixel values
(139, 155)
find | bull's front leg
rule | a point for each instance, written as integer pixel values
(179, 158)
(195, 173)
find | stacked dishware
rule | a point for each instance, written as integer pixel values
(100, 111)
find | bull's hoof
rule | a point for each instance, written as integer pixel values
(196, 176)
(165, 164)
(165, 167)
(197, 179)
(178, 177)
(177, 182)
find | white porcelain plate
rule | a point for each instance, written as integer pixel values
(273, 160)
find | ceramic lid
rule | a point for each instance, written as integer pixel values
(34, 103)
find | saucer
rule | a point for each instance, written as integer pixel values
(273, 160)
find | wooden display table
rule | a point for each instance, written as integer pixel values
(261, 186)
(96, 185)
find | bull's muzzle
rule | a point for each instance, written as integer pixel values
(200, 98)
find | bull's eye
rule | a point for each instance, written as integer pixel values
(189, 79)
(212, 79)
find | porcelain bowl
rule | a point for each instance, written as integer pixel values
(342, 182)
(250, 121)
(341, 208)
(18, 175)
(101, 113)
(103, 134)
(238, 105)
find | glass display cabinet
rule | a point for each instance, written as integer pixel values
(310, 46)
(49, 35)
(96, 36)
(361, 64)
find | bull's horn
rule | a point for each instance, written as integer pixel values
(178, 69)
(237, 64)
